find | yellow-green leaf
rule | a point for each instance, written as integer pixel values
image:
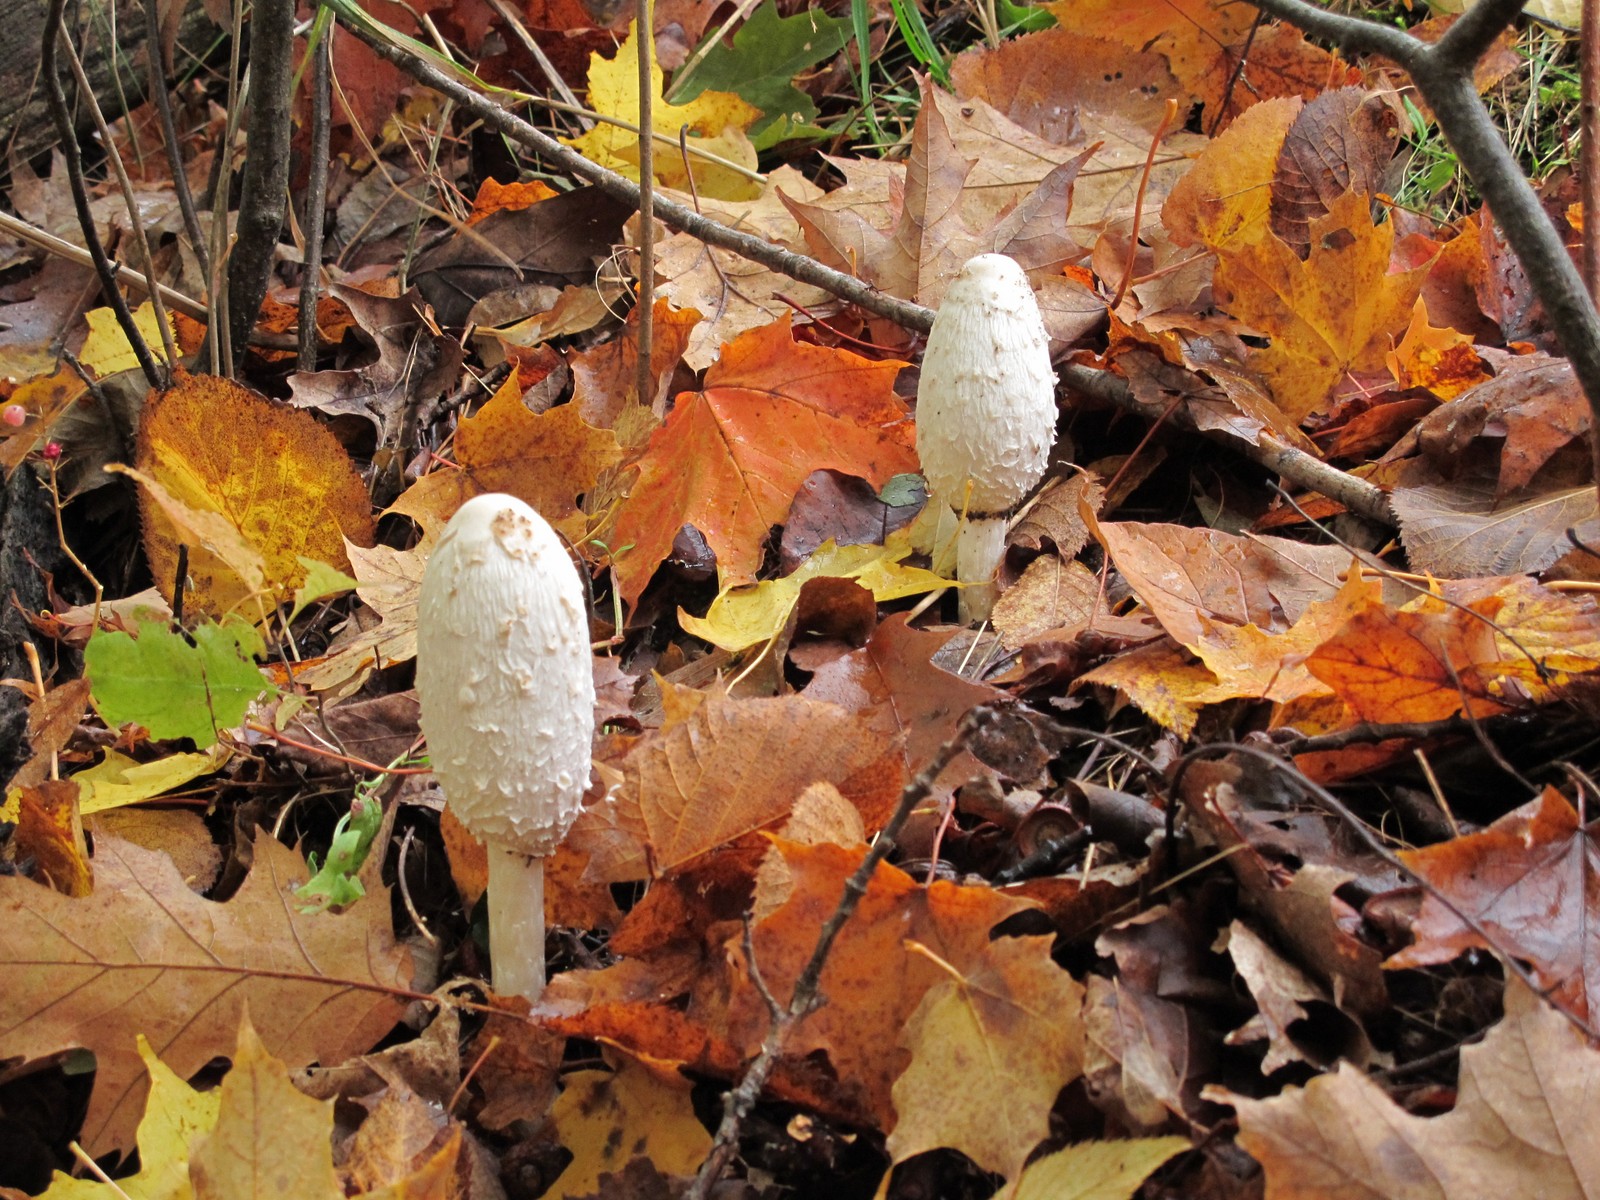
(746, 616)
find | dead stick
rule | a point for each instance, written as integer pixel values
(806, 997)
(1298, 467)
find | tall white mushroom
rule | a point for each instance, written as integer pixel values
(986, 414)
(507, 691)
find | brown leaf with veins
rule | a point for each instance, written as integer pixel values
(1521, 1125)
(1340, 142)
(1038, 81)
(1532, 882)
(1416, 665)
(144, 954)
(728, 769)
(732, 294)
(906, 701)
(605, 377)
(1181, 573)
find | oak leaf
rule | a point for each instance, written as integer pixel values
(1520, 1126)
(731, 457)
(147, 955)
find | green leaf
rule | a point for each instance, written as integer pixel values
(173, 689)
(767, 53)
(1024, 18)
(336, 885)
(321, 582)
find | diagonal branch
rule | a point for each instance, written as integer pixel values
(1443, 75)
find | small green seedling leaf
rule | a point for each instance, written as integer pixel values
(767, 53)
(321, 582)
(1023, 18)
(172, 688)
(336, 884)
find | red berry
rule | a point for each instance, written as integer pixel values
(14, 415)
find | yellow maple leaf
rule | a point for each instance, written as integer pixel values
(1338, 311)
(715, 121)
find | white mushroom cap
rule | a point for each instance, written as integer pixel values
(504, 675)
(986, 408)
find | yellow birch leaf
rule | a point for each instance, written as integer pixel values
(117, 780)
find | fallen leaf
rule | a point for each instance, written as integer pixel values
(1328, 316)
(1097, 1170)
(1532, 881)
(276, 478)
(1518, 1127)
(175, 1115)
(269, 1139)
(609, 1118)
(731, 457)
(743, 617)
(148, 955)
(714, 121)
(1011, 1028)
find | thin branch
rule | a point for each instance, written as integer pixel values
(169, 135)
(1295, 465)
(316, 216)
(61, 248)
(806, 997)
(645, 44)
(1589, 144)
(1466, 41)
(1350, 34)
(137, 231)
(54, 29)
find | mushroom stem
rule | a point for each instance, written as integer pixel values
(516, 921)
(979, 547)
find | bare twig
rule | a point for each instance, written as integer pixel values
(54, 30)
(1589, 143)
(806, 997)
(136, 232)
(316, 191)
(159, 66)
(1295, 465)
(644, 33)
(61, 248)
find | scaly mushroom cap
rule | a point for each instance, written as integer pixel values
(504, 675)
(986, 405)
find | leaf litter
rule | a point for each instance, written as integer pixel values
(1268, 869)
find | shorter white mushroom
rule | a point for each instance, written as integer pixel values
(986, 414)
(506, 685)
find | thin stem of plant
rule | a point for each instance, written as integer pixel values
(316, 191)
(54, 34)
(159, 66)
(645, 43)
(137, 232)
(807, 996)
